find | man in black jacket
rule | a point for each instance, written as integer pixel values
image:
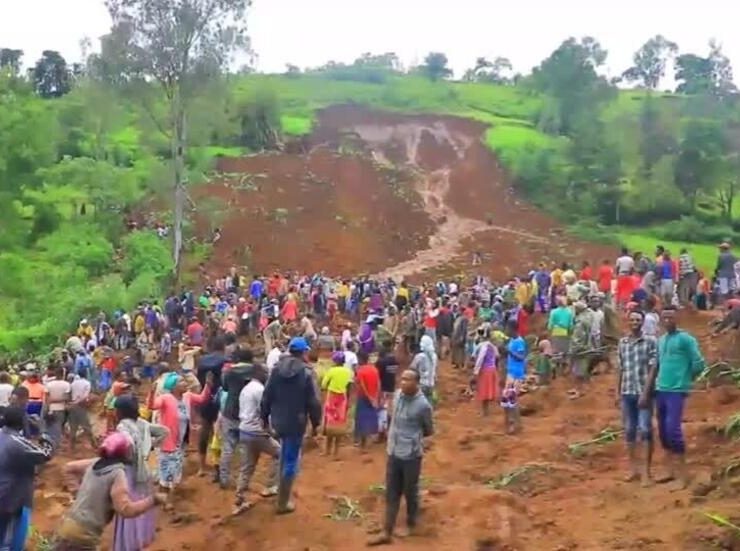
(290, 399)
(19, 458)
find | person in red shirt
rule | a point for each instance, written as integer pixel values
(367, 381)
(195, 333)
(605, 277)
(522, 320)
(587, 272)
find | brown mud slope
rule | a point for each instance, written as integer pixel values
(317, 212)
(481, 489)
(463, 189)
(390, 194)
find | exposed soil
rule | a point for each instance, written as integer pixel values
(389, 194)
(351, 213)
(562, 502)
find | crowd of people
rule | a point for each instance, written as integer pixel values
(245, 366)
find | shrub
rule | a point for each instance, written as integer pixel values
(690, 229)
(144, 252)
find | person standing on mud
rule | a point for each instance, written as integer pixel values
(289, 400)
(411, 422)
(679, 362)
(637, 355)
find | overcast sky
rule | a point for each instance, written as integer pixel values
(310, 32)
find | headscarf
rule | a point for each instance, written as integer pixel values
(169, 382)
(117, 445)
(338, 357)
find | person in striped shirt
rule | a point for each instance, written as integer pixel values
(637, 355)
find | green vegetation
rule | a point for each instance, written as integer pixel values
(83, 148)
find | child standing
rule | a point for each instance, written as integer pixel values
(544, 361)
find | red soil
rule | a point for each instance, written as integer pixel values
(566, 502)
(339, 216)
(569, 502)
(347, 214)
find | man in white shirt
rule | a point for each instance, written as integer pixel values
(350, 358)
(57, 395)
(254, 440)
(6, 389)
(79, 416)
(273, 357)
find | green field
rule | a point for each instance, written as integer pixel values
(704, 255)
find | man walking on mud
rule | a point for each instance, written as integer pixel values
(638, 356)
(289, 401)
(411, 422)
(679, 363)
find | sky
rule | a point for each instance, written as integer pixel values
(310, 32)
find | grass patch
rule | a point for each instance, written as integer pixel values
(704, 255)
(295, 125)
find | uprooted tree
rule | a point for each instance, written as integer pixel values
(170, 50)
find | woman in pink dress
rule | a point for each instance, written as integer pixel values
(486, 380)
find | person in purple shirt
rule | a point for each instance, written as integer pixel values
(542, 277)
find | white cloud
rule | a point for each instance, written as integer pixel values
(310, 32)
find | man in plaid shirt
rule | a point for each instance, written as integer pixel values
(637, 355)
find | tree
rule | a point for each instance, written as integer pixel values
(711, 75)
(435, 67)
(569, 76)
(51, 77)
(489, 71)
(656, 139)
(11, 59)
(701, 157)
(180, 45)
(388, 61)
(650, 62)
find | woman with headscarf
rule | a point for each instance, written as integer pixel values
(425, 362)
(486, 380)
(336, 382)
(175, 406)
(102, 491)
(133, 534)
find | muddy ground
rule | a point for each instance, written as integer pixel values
(371, 193)
(388, 194)
(561, 499)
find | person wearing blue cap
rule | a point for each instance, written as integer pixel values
(289, 400)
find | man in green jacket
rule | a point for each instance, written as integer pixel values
(679, 362)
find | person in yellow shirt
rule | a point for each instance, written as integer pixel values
(84, 330)
(337, 382)
(342, 296)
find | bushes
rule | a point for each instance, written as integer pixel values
(144, 252)
(79, 244)
(693, 230)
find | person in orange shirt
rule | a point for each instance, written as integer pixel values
(36, 392)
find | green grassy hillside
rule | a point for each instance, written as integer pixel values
(73, 168)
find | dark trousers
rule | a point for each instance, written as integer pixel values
(401, 479)
(670, 413)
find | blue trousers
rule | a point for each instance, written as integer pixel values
(636, 420)
(290, 455)
(14, 530)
